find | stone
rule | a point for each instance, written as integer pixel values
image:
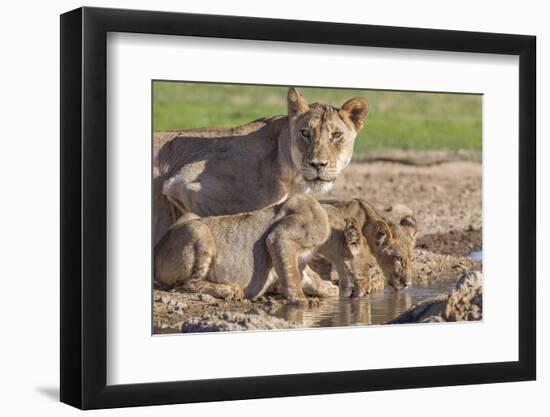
(207, 298)
(463, 302)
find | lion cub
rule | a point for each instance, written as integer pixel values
(389, 244)
(244, 255)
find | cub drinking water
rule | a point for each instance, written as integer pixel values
(388, 243)
(243, 255)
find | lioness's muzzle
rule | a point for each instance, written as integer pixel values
(318, 165)
(323, 174)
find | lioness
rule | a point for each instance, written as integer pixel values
(391, 244)
(213, 172)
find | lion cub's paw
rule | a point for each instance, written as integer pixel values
(297, 300)
(345, 292)
(238, 293)
(228, 292)
(313, 302)
(328, 289)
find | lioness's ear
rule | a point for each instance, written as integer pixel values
(357, 110)
(296, 103)
(409, 223)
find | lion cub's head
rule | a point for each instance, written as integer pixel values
(391, 244)
(322, 137)
(393, 247)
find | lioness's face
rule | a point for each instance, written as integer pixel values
(322, 138)
(396, 250)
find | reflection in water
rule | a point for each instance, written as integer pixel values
(372, 309)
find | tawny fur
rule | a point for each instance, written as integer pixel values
(243, 254)
(389, 243)
(213, 172)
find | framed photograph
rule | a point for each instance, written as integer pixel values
(257, 208)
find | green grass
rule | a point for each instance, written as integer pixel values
(396, 119)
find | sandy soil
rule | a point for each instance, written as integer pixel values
(445, 197)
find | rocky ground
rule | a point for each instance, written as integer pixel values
(445, 196)
(463, 302)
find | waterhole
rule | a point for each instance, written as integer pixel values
(375, 308)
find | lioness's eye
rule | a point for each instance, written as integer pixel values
(336, 135)
(305, 133)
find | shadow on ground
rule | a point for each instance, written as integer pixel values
(50, 392)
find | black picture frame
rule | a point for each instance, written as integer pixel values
(84, 207)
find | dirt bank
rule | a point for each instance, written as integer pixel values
(175, 312)
(443, 197)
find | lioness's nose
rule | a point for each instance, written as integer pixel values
(317, 163)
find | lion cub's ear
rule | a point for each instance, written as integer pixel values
(382, 234)
(352, 234)
(296, 103)
(356, 109)
(409, 223)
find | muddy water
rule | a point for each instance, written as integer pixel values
(373, 309)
